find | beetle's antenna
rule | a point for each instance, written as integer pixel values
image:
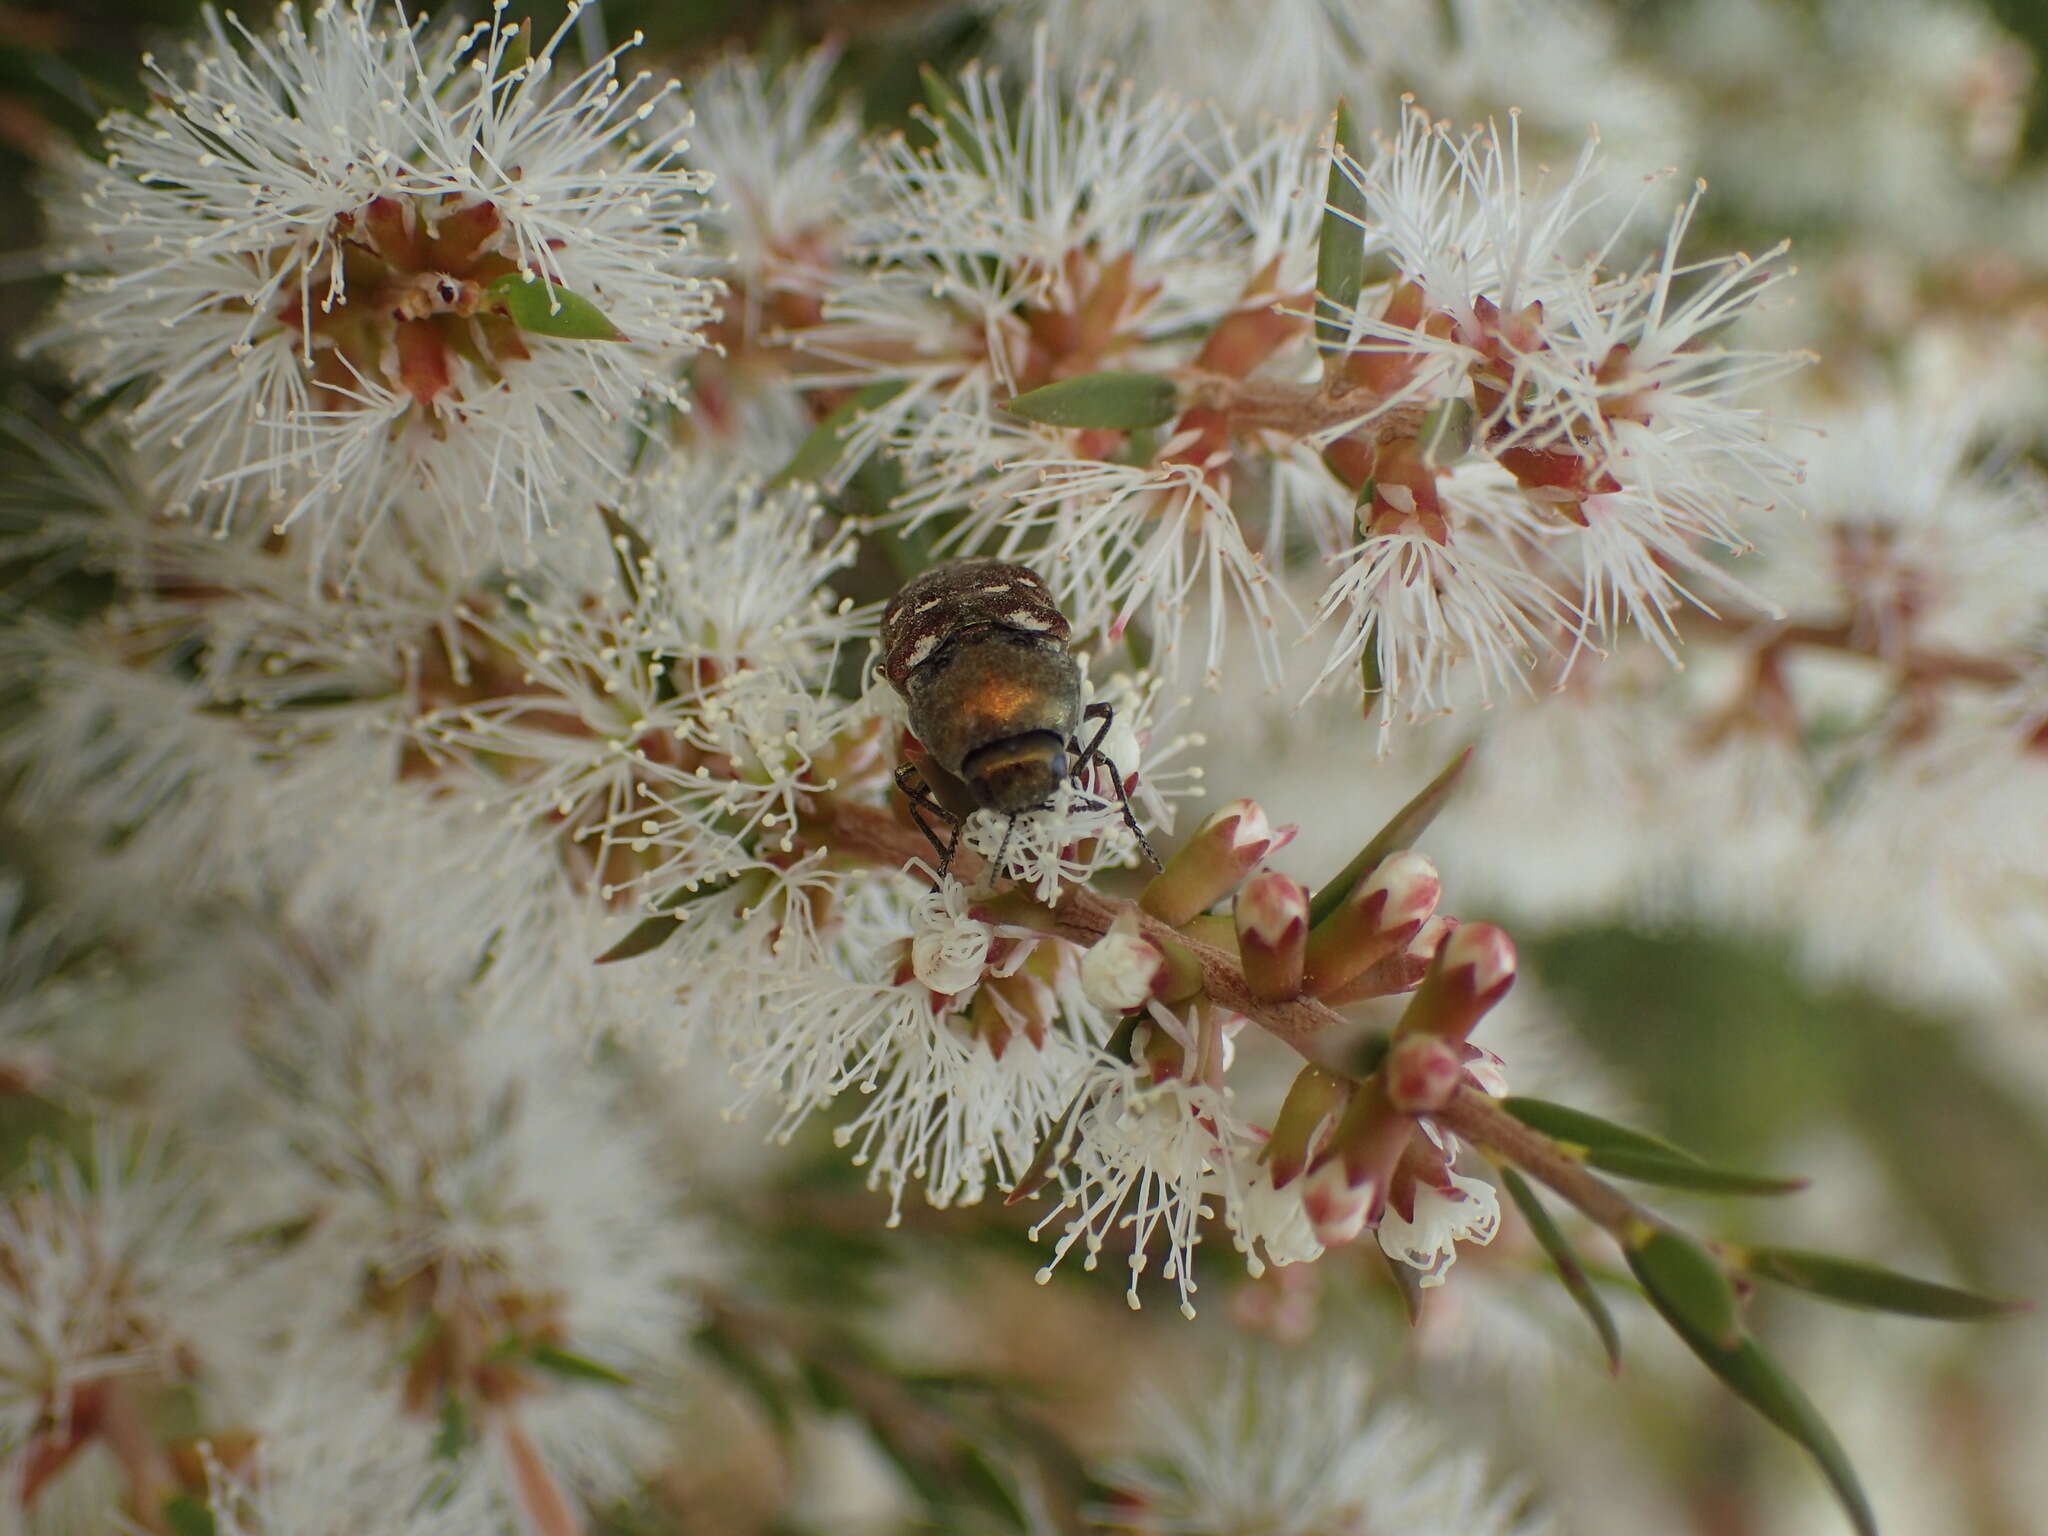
(1002, 848)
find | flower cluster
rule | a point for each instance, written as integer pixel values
(552, 718)
(355, 265)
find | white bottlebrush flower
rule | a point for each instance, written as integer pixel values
(956, 1089)
(1426, 1240)
(467, 1178)
(1597, 406)
(103, 1268)
(660, 705)
(326, 1462)
(1444, 622)
(1923, 531)
(293, 255)
(1145, 1158)
(784, 163)
(1276, 1449)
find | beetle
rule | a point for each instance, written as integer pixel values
(980, 652)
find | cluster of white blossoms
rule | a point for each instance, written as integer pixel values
(355, 263)
(489, 476)
(1506, 447)
(1329, 1458)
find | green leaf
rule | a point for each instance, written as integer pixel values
(1408, 824)
(1570, 1271)
(1691, 1173)
(455, 1433)
(1446, 433)
(1407, 1282)
(575, 1367)
(949, 118)
(1686, 1282)
(1758, 1380)
(185, 1515)
(1123, 402)
(538, 306)
(1340, 249)
(1637, 1155)
(630, 551)
(1856, 1284)
(650, 933)
(818, 455)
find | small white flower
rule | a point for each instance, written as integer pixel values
(1144, 1157)
(292, 254)
(1120, 969)
(950, 946)
(1427, 1242)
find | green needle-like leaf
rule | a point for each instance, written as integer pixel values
(1686, 1282)
(1340, 250)
(817, 457)
(1857, 1284)
(1636, 1155)
(538, 306)
(650, 933)
(1758, 1380)
(1123, 402)
(1550, 1236)
(1408, 1283)
(631, 552)
(1407, 825)
(185, 1515)
(575, 1367)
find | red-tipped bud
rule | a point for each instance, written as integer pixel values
(1377, 920)
(1122, 970)
(1422, 1072)
(1226, 848)
(1336, 1208)
(1471, 973)
(1401, 972)
(1272, 934)
(1017, 1004)
(1365, 1148)
(1314, 1100)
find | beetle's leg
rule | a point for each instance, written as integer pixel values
(921, 799)
(1093, 753)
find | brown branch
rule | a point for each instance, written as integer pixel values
(1480, 1120)
(1082, 916)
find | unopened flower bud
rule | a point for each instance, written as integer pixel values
(1422, 1072)
(1007, 1006)
(1471, 973)
(1122, 970)
(1377, 920)
(1335, 1207)
(1400, 972)
(1272, 934)
(1225, 848)
(1313, 1100)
